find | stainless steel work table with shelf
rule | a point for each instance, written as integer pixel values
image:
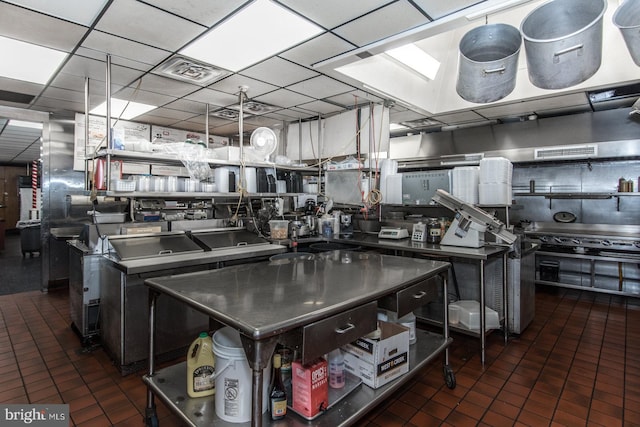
(320, 303)
(481, 255)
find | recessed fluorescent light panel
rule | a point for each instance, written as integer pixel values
(260, 30)
(23, 124)
(416, 59)
(125, 110)
(28, 62)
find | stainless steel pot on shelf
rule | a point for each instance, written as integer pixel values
(563, 42)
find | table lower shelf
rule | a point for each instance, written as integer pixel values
(431, 314)
(169, 385)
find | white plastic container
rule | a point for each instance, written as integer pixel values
(221, 176)
(337, 376)
(201, 367)
(234, 377)
(469, 315)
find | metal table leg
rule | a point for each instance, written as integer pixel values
(258, 355)
(150, 415)
(505, 297)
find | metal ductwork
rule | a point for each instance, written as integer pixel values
(607, 134)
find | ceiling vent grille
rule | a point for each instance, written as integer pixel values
(566, 152)
(182, 68)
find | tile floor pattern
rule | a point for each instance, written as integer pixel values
(577, 364)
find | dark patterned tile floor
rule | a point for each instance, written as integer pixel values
(577, 364)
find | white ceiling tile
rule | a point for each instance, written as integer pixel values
(86, 67)
(212, 97)
(204, 12)
(354, 97)
(168, 113)
(123, 48)
(166, 86)
(438, 9)
(143, 96)
(232, 84)
(137, 21)
(115, 60)
(52, 104)
(324, 12)
(187, 106)
(279, 72)
(320, 87)
(155, 120)
(36, 28)
(379, 24)
(317, 49)
(20, 86)
(320, 107)
(63, 94)
(78, 11)
(283, 98)
(97, 88)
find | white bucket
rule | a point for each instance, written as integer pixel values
(234, 378)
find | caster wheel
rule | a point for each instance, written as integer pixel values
(449, 377)
(151, 418)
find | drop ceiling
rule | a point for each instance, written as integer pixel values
(297, 84)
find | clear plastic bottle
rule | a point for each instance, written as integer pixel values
(201, 367)
(337, 376)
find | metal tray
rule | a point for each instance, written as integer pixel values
(335, 395)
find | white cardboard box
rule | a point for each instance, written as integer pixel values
(136, 168)
(377, 362)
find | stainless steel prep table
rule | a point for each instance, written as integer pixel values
(123, 296)
(481, 255)
(334, 294)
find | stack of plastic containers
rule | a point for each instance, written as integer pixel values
(465, 183)
(494, 186)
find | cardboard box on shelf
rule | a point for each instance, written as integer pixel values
(377, 362)
(310, 387)
(136, 168)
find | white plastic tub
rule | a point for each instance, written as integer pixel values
(469, 315)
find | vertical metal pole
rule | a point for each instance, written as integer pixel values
(150, 412)
(482, 310)
(445, 314)
(300, 140)
(109, 136)
(256, 394)
(86, 134)
(320, 156)
(242, 179)
(206, 126)
(505, 295)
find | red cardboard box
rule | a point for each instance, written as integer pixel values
(310, 387)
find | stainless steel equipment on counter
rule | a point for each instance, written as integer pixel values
(419, 187)
(597, 257)
(123, 296)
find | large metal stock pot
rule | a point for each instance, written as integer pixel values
(563, 42)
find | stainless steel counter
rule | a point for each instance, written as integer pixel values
(147, 265)
(372, 240)
(268, 301)
(281, 295)
(485, 255)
